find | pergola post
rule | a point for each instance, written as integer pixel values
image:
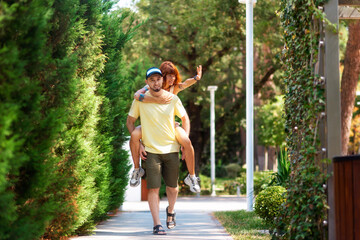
(333, 111)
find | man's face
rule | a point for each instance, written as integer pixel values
(155, 82)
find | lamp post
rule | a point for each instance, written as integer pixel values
(212, 90)
(249, 104)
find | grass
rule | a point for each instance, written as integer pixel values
(242, 225)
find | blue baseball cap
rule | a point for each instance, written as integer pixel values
(153, 70)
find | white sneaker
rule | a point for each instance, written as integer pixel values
(193, 183)
(135, 177)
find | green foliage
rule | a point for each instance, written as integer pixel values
(271, 123)
(261, 181)
(205, 184)
(302, 190)
(28, 129)
(59, 172)
(281, 177)
(268, 202)
(306, 206)
(115, 86)
(231, 187)
(220, 171)
(233, 170)
(174, 31)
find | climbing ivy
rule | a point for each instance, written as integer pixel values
(305, 212)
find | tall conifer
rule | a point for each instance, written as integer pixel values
(119, 27)
(62, 115)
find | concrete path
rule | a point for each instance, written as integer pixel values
(193, 217)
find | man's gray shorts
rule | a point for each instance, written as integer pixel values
(165, 165)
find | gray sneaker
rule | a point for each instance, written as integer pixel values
(193, 183)
(135, 177)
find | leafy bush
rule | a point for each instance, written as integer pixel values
(233, 170)
(268, 202)
(261, 181)
(231, 187)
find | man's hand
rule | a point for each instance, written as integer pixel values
(165, 98)
(142, 152)
(182, 153)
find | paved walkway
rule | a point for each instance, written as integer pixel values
(193, 217)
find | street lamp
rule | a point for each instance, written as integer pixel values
(212, 90)
(249, 104)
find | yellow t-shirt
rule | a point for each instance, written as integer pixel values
(158, 124)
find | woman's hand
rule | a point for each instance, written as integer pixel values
(164, 98)
(199, 72)
(182, 153)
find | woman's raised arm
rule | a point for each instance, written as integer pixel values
(190, 81)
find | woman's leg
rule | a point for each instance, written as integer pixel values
(135, 153)
(135, 146)
(191, 180)
(188, 151)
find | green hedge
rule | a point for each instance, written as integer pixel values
(61, 163)
(268, 203)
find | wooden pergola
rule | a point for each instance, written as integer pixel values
(329, 69)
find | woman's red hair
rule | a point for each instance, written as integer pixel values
(168, 67)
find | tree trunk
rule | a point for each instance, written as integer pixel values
(349, 82)
(196, 133)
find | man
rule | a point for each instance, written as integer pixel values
(158, 136)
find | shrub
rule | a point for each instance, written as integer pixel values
(231, 186)
(261, 181)
(268, 202)
(233, 170)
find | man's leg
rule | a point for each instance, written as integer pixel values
(153, 177)
(153, 200)
(171, 175)
(171, 194)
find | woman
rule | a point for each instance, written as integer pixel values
(172, 83)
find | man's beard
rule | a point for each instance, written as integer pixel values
(156, 90)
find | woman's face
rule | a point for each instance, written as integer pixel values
(170, 79)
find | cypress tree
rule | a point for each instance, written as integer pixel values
(62, 116)
(76, 145)
(26, 130)
(117, 88)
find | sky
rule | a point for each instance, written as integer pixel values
(124, 3)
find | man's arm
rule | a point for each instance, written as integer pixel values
(186, 123)
(130, 123)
